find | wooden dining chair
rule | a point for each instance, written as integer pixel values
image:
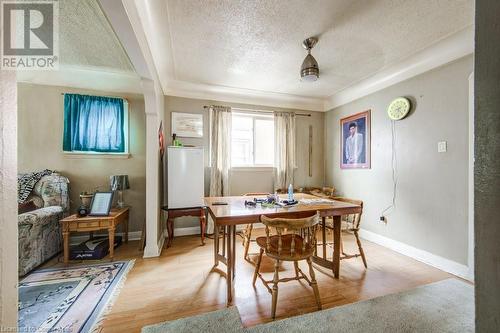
(324, 192)
(292, 240)
(247, 232)
(351, 223)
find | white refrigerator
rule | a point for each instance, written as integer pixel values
(186, 184)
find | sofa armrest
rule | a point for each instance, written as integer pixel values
(41, 216)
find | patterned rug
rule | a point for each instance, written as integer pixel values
(73, 299)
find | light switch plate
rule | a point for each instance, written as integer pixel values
(442, 147)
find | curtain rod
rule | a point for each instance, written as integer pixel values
(259, 111)
(125, 99)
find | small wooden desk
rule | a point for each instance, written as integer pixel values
(73, 223)
(226, 217)
(178, 212)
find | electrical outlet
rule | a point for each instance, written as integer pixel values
(382, 219)
(442, 147)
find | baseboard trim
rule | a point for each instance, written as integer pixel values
(188, 231)
(161, 241)
(428, 258)
(133, 235)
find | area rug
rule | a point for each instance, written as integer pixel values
(73, 299)
(445, 306)
(226, 320)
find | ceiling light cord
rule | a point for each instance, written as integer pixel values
(394, 170)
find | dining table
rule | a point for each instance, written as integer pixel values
(231, 211)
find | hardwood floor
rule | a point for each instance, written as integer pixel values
(180, 283)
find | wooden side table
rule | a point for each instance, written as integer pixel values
(178, 212)
(74, 223)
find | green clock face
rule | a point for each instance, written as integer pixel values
(399, 108)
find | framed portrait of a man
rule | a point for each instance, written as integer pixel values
(355, 141)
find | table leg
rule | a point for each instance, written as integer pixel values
(233, 246)
(203, 225)
(224, 240)
(323, 235)
(230, 265)
(216, 244)
(125, 227)
(66, 246)
(336, 246)
(111, 232)
(170, 230)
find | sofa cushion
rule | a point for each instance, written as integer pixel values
(54, 190)
(37, 200)
(25, 207)
(26, 183)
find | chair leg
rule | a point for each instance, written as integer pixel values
(296, 266)
(342, 244)
(257, 266)
(248, 235)
(360, 248)
(314, 284)
(275, 288)
(245, 233)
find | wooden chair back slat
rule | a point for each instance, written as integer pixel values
(303, 227)
(356, 218)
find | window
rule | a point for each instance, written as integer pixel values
(252, 140)
(95, 124)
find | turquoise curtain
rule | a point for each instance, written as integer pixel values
(93, 123)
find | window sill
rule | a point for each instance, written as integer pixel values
(96, 155)
(253, 169)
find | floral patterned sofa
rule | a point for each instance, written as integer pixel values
(39, 231)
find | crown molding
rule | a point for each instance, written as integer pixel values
(438, 54)
(92, 78)
(240, 95)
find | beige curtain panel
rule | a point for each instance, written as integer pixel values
(220, 150)
(284, 149)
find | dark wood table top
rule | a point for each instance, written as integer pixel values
(235, 212)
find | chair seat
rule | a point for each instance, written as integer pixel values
(286, 246)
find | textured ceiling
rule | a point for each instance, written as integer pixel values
(86, 38)
(257, 44)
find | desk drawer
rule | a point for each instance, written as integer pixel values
(92, 225)
(89, 225)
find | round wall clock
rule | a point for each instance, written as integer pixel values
(399, 108)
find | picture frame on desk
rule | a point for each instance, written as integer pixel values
(101, 204)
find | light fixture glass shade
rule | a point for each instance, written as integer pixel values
(309, 71)
(119, 182)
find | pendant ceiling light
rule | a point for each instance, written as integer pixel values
(309, 71)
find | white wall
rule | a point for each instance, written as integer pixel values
(257, 180)
(8, 200)
(431, 204)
